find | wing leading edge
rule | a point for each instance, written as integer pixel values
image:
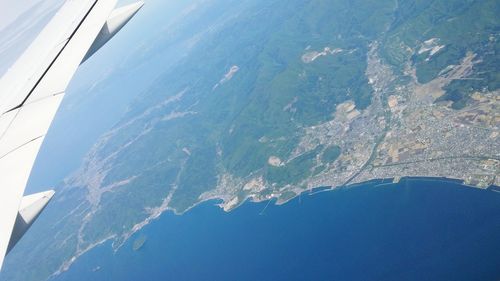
(30, 95)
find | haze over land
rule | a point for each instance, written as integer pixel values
(269, 99)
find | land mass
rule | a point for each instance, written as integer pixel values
(405, 132)
(272, 99)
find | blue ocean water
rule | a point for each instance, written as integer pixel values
(415, 230)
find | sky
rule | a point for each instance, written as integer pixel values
(28, 18)
(10, 10)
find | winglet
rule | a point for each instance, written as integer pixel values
(117, 19)
(29, 210)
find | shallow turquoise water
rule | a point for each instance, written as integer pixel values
(415, 230)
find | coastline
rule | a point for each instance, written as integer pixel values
(117, 242)
(163, 244)
(381, 182)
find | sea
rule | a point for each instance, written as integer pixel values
(417, 229)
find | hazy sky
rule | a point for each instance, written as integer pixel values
(11, 9)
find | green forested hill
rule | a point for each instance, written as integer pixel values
(228, 121)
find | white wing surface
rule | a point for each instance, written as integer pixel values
(30, 94)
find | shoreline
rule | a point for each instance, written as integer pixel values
(321, 189)
(218, 203)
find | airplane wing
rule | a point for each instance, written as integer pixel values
(30, 94)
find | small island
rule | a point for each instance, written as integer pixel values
(139, 242)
